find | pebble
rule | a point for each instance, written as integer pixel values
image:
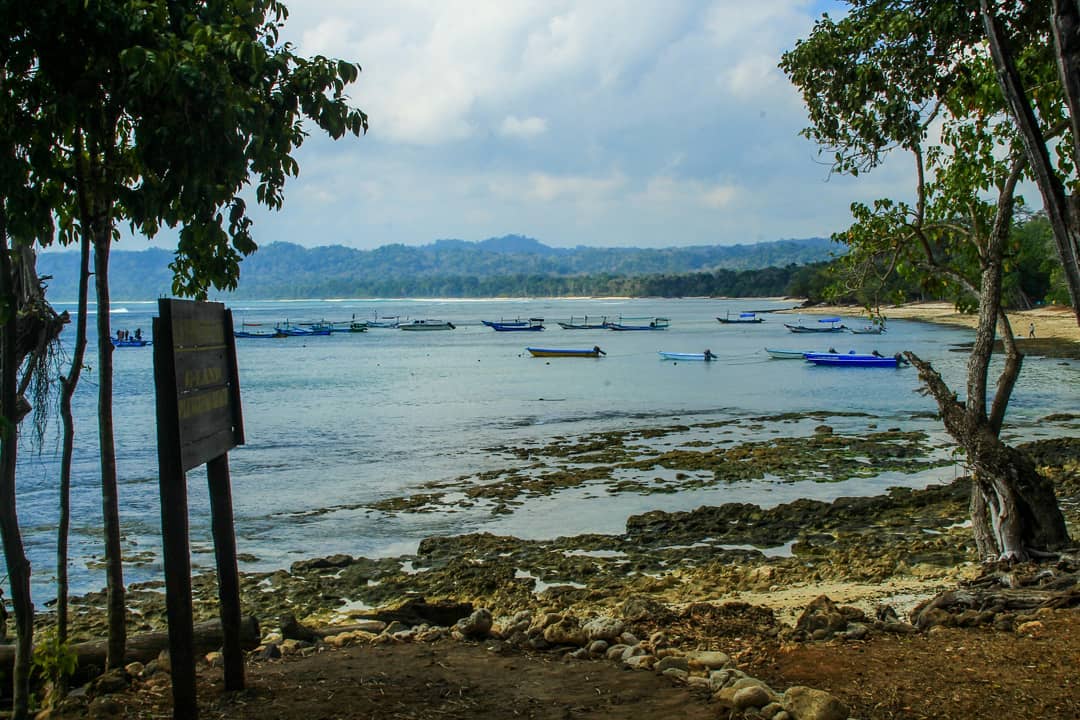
(673, 661)
(708, 659)
(809, 704)
(753, 696)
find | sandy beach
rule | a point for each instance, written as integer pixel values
(1051, 322)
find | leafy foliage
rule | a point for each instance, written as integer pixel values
(53, 662)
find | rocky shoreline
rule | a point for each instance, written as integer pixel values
(900, 547)
(696, 597)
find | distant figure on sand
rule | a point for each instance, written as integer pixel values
(1031, 330)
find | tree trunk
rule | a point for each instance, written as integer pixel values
(1063, 222)
(110, 504)
(67, 392)
(1016, 510)
(18, 566)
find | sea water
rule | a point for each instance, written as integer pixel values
(334, 424)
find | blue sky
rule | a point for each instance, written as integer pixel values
(646, 123)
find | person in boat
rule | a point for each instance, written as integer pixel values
(709, 355)
(833, 351)
(875, 353)
(138, 333)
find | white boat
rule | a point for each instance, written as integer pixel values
(427, 325)
(787, 354)
(706, 356)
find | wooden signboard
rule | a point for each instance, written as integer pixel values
(198, 422)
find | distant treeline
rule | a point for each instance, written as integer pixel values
(509, 266)
(745, 283)
(514, 266)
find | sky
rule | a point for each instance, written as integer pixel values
(647, 123)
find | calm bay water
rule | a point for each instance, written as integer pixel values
(336, 423)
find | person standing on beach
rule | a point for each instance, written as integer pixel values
(1031, 330)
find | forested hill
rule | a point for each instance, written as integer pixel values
(509, 265)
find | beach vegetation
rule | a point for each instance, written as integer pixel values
(916, 79)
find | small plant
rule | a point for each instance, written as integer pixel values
(53, 662)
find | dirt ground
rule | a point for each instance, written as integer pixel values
(945, 674)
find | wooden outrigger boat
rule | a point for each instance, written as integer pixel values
(286, 328)
(506, 323)
(654, 324)
(531, 325)
(832, 324)
(743, 318)
(243, 332)
(427, 325)
(572, 324)
(593, 352)
(706, 356)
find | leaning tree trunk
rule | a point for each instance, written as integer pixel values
(110, 503)
(17, 565)
(1014, 508)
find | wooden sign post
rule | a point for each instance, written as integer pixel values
(198, 421)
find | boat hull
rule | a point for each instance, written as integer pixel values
(806, 329)
(129, 343)
(565, 352)
(786, 354)
(850, 360)
(421, 325)
(246, 334)
(700, 357)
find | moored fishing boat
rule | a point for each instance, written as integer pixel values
(831, 324)
(426, 325)
(573, 324)
(778, 354)
(129, 342)
(656, 323)
(286, 328)
(706, 356)
(855, 360)
(593, 352)
(743, 318)
(531, 325)
(506, 323)
(259, 333)
(875, 328)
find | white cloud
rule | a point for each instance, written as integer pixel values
(656, 122)
(513, 126)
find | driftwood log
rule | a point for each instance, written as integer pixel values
(144, 647)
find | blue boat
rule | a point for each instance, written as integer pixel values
(532, 325)
(855, 360)
(129, 342)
